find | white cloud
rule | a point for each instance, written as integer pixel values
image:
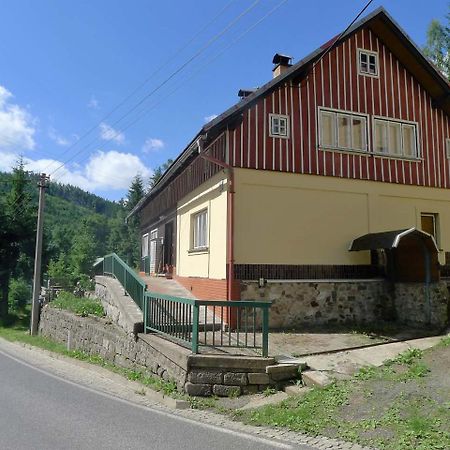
(7, 161)
(114, 169)
(108, 133)
(209, 118)
(111, 170)
(57, 138)
(153, 144)
(17, 126)
(93, 103)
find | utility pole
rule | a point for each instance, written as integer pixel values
(38, 256)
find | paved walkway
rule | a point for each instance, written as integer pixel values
(348, 362)
(162, 285)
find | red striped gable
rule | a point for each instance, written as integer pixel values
(334, 82)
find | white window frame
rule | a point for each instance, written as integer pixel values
(335, 113)
(368, 53)
(200, 240)
(283, 117)
(145, 239)
(403, 123)
(447, 148)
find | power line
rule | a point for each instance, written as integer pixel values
(151, 76)
(339, 37)
(171, 76)
(141, 85)
(207, 63)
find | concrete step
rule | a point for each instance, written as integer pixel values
(283, 372)
(315, 378)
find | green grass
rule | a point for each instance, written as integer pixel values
(409, 419)
(79, 305)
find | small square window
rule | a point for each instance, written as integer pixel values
(279, 125)
(368, 63)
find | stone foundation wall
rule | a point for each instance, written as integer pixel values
(415, 307)
(194, 374)
(297, 304)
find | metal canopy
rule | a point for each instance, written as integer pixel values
(389, 239)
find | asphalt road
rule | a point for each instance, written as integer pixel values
(40, 411)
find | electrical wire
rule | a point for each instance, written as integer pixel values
(145, 111)
(142, 84)
(172, 75)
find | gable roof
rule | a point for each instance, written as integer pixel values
(388, 30)
(389, 239)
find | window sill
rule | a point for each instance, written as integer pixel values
(346, 151)
(403, 158)
(279, 136)
(373, 154)
(198, 251)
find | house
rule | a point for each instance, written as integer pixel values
(348, 149)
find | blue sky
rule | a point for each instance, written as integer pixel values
(66, 64)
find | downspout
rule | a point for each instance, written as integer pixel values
(230, 214)
(427, 259)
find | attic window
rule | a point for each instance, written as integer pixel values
(368, 63)
(279, 125)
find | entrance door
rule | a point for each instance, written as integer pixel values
(153, 242)
(168, 244)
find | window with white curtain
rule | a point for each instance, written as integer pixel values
(395, 138)
(200, 230)
(342, 130)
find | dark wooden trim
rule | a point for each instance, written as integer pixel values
(299, 272)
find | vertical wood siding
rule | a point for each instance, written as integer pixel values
(335, 83)
(196, 173)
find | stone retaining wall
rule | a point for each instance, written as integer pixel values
(296, 304)
(97, 336)
(194, 374)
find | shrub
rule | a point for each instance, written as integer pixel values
(19, 294)
(78, 305)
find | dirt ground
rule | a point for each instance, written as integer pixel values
(402, 405)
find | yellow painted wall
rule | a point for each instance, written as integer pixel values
(305, 219)
(211, 263)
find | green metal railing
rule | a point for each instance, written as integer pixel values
(208, 323)
(145, 265)
(131, 282)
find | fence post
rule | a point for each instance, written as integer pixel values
(195, 329)
(144, 300)
(265, 332)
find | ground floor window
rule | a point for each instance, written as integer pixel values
(200, 230)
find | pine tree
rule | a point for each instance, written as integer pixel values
(17, 234)
(438, 45)
(159, 172)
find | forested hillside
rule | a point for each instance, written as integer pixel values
(78, 228)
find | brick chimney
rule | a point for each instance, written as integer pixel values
(282, 63)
